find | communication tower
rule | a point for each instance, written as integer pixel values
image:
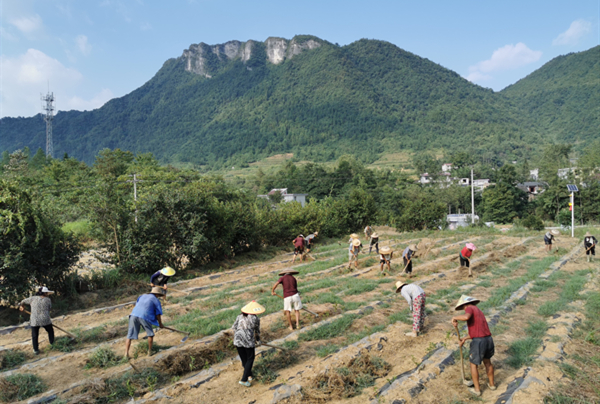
(48, 107)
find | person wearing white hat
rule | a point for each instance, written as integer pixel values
(246, 334)
(549, 237)
(482, 344)
(386, 257)
(589, 242)
(309, 242)
(290, 296)
(353, 250)
(374, 242)
(415, 296)
(40, 316)
(146, 313)
(407, 256)
(160, 278)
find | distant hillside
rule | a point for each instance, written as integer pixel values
(241, 101)
(562, 98)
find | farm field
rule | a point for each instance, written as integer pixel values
(356, 350)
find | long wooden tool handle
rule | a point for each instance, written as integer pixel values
(407, 264)
(462, 360)
(57, 327)
(176, 330)
(303, 308)
(274, 346)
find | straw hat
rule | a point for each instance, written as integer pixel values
(354, 235)
(374, 235)
(288, 271)
(253, 308)
(399, 285)
(316, 233)
(555, 232)
(464, 299)
(385, 250)
(356, 242)
(301, 236)
(46, 290)
(167, 271)
(471, 246)
(587, 234)
(413, 247)
(157, 291)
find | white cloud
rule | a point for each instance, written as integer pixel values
(83, 45)
(577, 30)
(28, 25)
(26, 76)
(507, 57)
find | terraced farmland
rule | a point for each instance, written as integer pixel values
(355, 351)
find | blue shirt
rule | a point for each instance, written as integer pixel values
(148, 307)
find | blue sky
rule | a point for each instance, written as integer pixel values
(94, 50)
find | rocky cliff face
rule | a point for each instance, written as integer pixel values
(205, 59)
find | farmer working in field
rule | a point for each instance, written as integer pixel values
(415, 296)
(374, 242)
(407, 256)
(309, 242)
(386, 257)
(549, 237)
(291, 297)
(146, 313)
(589, 242)
(482, 344)
(160, 278)
(246, 333)
(40, 316)
(368, 232)
(353, 251)
(465, 256)
(298, 248)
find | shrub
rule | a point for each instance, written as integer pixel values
(533, 222)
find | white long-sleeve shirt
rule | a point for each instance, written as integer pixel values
(410, 292)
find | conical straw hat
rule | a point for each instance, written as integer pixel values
(167, 271)
(413, 247)
(399, 285)
(385, 250)
(288, 271)
(157, 291)
(356, 242)
(471, 246)
(354, 235)
(555, 232)
(464, 299)
(587, 234)
(253, 308)
(374, 235)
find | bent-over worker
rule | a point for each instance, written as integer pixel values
(40, 316)
(465, 256)
(291, 297)
(549, 237)
(415, 296)
(589, 242)
(353, 251)
(368, 232)
(298, 248)
(246, 334)
(407, 256)
(386, 257)
(374, 242)
(482, 344)
(146, 313)
(160, 278)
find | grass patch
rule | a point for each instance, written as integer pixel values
(118, 388)
(402, 316)
(541, 285)
(569, 292)
(63, 344)
(266, 367)
(331, 330)
(104, 357)
(141, 348)
(537, 329)
(11, 358)
(328, 349)
(20, 386)
(352, 338)
(521, 352)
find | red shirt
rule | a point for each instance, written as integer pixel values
(290, 288)
(466, 253)
(478, 326)
(298, 242)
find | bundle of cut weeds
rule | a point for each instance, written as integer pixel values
(180, 363)
(424, 248)
(347, 381)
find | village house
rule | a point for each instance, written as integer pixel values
(301, 198)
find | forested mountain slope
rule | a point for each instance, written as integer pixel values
(239, 102)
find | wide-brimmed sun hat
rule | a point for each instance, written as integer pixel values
(253, 308)
(316, 233)
(555, 232)
(46, 290)
(354, 235)
(356, 242)
(587, 234)
(385, 250)
(399, 285)
(288, 271)
(157, 291)
(464, 299)
(301, 236)
(374, 235)
(413, 247)
(471, 246)
(167, 271)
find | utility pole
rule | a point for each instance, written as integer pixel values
(48, 117)
(472, 199)
(573, 188)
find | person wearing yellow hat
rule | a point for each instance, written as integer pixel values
(160, 278)
(589, 242)
(415, 296)
(246, 334)
(146, 313)
(482, 343)
(353, 250)
(40, 316)
(407, 256)
(386, 257)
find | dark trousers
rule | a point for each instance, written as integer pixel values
(591, 251)
(463, 261)
(376, 247)
(35, 334)
(408, 267)
(247, 358)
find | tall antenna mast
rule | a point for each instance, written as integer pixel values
(48, 117)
